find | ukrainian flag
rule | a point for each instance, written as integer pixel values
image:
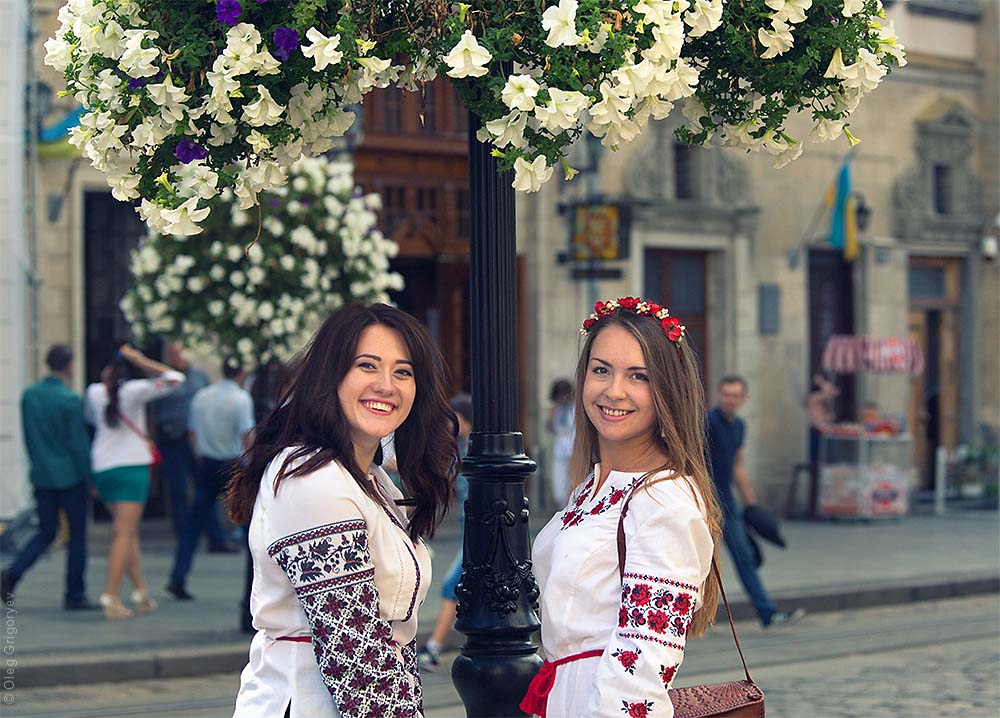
(843, 219)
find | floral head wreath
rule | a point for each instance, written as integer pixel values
(671, 326)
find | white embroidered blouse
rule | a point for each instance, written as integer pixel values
(332, 564)
(640, 624)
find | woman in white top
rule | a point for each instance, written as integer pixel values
(339, 567)
(120, 457)
(613, 641)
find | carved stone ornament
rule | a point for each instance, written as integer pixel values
(945, 134)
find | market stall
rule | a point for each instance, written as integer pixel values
(865, 468)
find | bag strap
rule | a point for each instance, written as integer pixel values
(715, 570)
(134, 429)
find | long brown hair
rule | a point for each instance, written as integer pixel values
(307, 415)
(679, 399)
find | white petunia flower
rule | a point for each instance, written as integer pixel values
(778, 40)
(216, 307)
(790, 11)
(519, 92)
(825, 130)
(468, 58)
(562, 111)
(704, 17)
(137, 61)
(853, 7)
(560, 22)
(530, 176)
(507, 130)
(264, 111)
(183, 221)
(668, 39)
(323, 50)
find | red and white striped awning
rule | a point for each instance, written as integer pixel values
(849, 354)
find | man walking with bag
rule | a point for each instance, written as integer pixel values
(59, 451)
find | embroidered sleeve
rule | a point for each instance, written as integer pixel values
(668, 556)
(331, 570)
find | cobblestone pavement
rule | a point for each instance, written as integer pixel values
(927, 660)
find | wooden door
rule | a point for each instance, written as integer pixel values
(935, 299)
(831, 311)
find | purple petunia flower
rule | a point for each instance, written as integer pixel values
(187, 151)
(228, 11)
(135, 83)
(287, 41)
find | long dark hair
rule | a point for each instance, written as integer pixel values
(119, 371)
(307, 415)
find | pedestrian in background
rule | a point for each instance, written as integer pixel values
(615, 622)
(120, 457)
(429, 657)
(55, 437)
(220, 423)
(725, 433)
(340, 563)
(561, 424)
(171, 417)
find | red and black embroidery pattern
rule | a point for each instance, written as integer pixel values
(667, 674)
(577, 512)
(661, 606)
(331, 569)
(628, 659)
(637, 709)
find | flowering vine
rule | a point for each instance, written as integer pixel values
(241, 90)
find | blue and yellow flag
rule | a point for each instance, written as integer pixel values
(843, 219)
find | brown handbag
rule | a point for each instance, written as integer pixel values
(735, 699)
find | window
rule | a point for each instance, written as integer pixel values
(684, 187)
(428, 109)
(941, 180)
(392, 116)
(427, 204)
(926, 282)
(393, 208)
(462, 213)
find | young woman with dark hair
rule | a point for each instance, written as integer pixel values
(614, 622)
(120, 457)
(339, 567)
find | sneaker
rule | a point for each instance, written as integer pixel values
(428, 659)
(6, 587)
(786, 618)
(179, 592)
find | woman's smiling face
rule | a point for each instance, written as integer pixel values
(616, 393)
(377, 392)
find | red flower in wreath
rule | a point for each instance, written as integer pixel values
(667, 674)
(682, 604)
(654, 308)
(659, 621)
(628, 302)
(599, 307)
(588, 324)
(641, 594)
(672, 327)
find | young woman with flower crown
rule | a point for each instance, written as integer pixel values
(613, 639)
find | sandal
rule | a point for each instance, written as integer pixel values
(113, 607)
(142, 602)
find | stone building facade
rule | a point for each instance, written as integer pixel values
(745, 247)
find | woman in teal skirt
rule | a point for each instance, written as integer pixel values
(120, 457)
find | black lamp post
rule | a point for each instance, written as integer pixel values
(497, 596)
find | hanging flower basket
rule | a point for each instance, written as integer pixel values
(242, 88)
(317, 250)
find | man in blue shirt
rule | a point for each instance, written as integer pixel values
(171, 414)
(220, 421)
(59, 451)
(724, 435)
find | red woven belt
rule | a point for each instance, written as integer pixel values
(297, 639)
(537, 697)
